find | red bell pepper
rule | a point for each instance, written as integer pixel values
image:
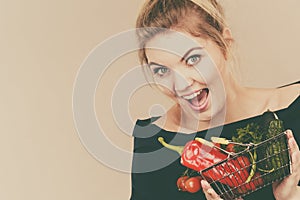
(199, 156)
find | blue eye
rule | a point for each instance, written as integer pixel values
(160, 71)
(193, 60)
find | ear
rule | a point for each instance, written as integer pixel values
(227, 36)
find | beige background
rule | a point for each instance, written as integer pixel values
(42, 45)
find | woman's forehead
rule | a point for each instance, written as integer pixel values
(177, 43)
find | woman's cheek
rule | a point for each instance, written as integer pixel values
(207, 71)
(212, 75)
(165, 86)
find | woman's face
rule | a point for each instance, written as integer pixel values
(190, 70)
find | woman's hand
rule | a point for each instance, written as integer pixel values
(210, 194)
(288, 188)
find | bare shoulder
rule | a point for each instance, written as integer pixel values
(271, 98)
(287, 95)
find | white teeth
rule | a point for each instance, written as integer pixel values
(191, 96)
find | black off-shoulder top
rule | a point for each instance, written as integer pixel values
(155, 169)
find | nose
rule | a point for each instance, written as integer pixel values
(181, 81)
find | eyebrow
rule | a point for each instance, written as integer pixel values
(154, 63)
(183, 57)
(188, 52)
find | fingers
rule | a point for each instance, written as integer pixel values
(209, 192)
(294, 151)
(283, 189)
(295, 159)
(292, 142)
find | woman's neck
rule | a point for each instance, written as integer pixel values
(244, 102)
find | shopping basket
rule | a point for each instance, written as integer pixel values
(269, 160)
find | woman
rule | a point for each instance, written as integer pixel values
(186, 47)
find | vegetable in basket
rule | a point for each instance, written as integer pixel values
(189, 184)
(198, 156)
(271, 158)
(260, 157)
(278, 150)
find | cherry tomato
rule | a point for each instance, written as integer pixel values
(199, 178)
(241, 190)
(250, 186)
(246, 188)
(230, 147)
(181, 183)
(193, 185)
(257, 179)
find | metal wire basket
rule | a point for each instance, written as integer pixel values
(269, 161)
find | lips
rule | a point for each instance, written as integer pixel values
(198, 100)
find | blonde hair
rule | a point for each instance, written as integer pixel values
(206, 20)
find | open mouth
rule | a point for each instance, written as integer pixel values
(198, 100)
